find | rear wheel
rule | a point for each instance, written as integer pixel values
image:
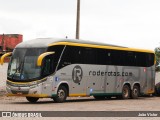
(32, 99)
(125, 92)
(135, 92)
(61, 95)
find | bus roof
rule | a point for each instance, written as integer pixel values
(46, 42)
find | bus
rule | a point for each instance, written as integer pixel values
(60, 68)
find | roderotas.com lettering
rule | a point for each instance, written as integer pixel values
(111, 73)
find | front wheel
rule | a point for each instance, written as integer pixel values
(32, 99)
(61, 95)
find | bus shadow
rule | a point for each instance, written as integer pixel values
(76, 100)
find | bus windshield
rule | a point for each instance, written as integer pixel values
(23, 64)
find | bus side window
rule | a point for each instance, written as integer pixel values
(102, 57)
(48, 67)
(130, 59)
(117, 57)
(141, 60)
(89, 56)
(71, 55)
(150, 59)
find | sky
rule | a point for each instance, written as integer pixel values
(130, 23)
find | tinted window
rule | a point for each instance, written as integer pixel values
(89, 56)
(103, 57)
(71, 55)
(83, 55)
(150, 59)
(58, 50)
(48, 66)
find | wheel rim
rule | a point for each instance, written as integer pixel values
(61, 94)
(125, 93)
(135, 91)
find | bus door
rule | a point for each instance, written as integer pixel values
(47, 71)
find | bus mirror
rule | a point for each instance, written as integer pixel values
(4, 56)
(42, 56)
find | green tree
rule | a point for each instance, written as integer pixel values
(157, 53)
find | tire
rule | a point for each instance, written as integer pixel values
(32, 99)
(61, 95)
(99, 97)
(126, 92)
(135, 92)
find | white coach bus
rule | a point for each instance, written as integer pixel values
(61, 68)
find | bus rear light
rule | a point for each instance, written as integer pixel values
(144, 69)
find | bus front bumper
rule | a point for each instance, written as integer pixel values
(34, 91)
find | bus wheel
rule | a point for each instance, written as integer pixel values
(61, 95)
(125, 92)
(99, 97)
(32, 99)
(135, 92)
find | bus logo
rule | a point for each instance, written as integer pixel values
(77, 74)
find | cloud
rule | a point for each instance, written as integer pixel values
(11, 25)
(123, 22)
(39, 6)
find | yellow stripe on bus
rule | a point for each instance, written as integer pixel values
(101, 46)
(29, 95)
(25, 82)
(78, 94)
